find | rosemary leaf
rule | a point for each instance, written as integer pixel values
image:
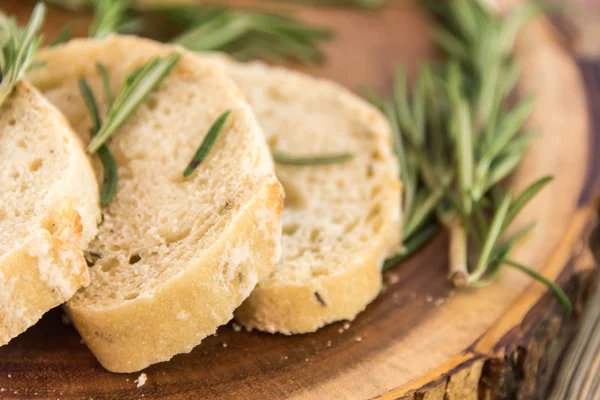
(18, 49)
(91, 104)
(108, 94)
(112, 16)
(524, 198)
(109, 165)
(111, 178)
(491, 239)
(132, 95)
(557, 290)
(207, 144)
(509, 127)
(247, 34)
(449, 43)
(288, 159)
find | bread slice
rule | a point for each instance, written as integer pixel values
(49, 208)
(174, 256)
(339, 220)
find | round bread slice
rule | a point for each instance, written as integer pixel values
(49, 209)
(174, 256)
(339, 220)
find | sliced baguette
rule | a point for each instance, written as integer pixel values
(174, 256)
(49, 209)
(340, 220)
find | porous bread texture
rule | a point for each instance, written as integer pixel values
(174, 256)
(49, 209)
(339, 221)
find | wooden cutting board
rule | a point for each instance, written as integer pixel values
(420, 339)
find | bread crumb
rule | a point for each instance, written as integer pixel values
(9, 376)
(358, 339)
(341, 330)
(236, 327)
(65, 319)
(224, 344)
(329, 343)
(2, 390)
(216, 334)
(428, 298)
(306, 359)
(141, 380)
(284, 357)
(346, 325)
(392, 278)
(439, 301)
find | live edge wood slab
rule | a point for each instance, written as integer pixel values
(420, 339)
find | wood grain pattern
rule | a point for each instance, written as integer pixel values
(419, 339)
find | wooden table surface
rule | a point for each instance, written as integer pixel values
(420, 339)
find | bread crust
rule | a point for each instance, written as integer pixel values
(190, 306)
(42, 273)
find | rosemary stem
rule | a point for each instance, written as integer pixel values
(459, 274)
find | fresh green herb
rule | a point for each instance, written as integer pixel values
(288, 159)
(207, 144)
(244, 34)
(18, 48)
(113, 16)
(415, 242)
(415, 151)
(108, 94)
(133, 93)
(64, 35)
(554, 288)
(109, 165)
(247, 34)
(453, 157)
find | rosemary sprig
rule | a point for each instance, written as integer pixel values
(288, 159)
(453, 176)
(137, 86)
(109, 165)
(18, 48)
(133, 93)
(112, 16)
(207, 144)
(412, 147)
(244, 34)
(247, 34)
